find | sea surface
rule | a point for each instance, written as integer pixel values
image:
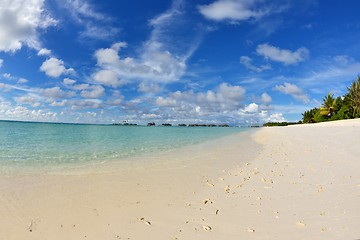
(47, 145)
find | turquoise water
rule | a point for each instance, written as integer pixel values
(49, 145)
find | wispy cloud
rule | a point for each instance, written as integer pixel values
(96, 24)
(292, 90)
(247, 62)
(341, 68)
(160, 59)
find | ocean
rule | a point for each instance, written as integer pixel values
(27, 145)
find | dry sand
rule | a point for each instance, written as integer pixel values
(297, 182)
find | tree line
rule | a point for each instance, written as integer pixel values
(344, 107)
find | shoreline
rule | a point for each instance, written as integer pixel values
(298, 182)
(142, 160)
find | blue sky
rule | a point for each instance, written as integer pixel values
(213, 61)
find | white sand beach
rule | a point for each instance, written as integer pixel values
(296, 182)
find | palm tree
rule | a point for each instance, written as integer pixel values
(354, 96)
(308, 116)
(328, 107)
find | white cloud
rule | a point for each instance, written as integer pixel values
(54, 67)
(59, 104)
(292, 90)
(153, 65)
(7, 75)
(266, 98)
(93, 92)
(236, 10)
(22, 80)
(44, 52)
(82, 10)
(276, 117)
(68, 81)
(334, 71)
(18, 112)
(247, 62)
(162, 58)
(80, 87)
(55, 92)
(31, 99)
(251, 108)
(96, 24)
(19, 23)
(5, 86)
(149, 87)
(108, 78)
(285, 56)
(85, 104)
(225, 98)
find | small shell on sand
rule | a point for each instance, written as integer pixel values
(251, 230)
(300, 224)
(146, 222)
(207, 228)
(209, 183)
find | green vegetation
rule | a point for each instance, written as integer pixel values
(278, 124)
(345, 107)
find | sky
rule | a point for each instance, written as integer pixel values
(240, 62)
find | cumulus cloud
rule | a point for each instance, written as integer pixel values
(149, 87)
(285, 56)
(55, 92)
(31, 99)
(68, 81)
(266, 98)
(232, 10)
(19, 23)
(58, 104)
(108, 78)
(293, 90)
(44, 52)
(276, 117)
(225, 98)
(247, 62)
(95, 91)
(153, 65)
(251, 108)
(54, 67)
(5, 87)
(85, 104)
(18, 112)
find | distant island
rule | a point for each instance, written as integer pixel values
(151, 124)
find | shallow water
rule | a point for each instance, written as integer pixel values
(42, 145)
